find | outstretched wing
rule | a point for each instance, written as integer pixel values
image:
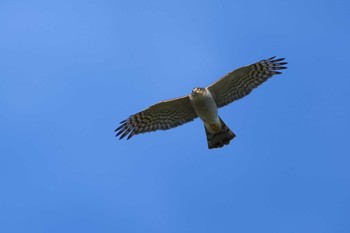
(161, 116)
(242, 81)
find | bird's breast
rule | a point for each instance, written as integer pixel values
(205, 107)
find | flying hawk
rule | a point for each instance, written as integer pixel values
(203, 103)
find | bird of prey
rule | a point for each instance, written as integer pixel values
(203, 103)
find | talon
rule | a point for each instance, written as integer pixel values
(214, 127)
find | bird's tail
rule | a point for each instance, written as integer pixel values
(219, 138)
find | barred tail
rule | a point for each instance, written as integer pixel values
(220, 138)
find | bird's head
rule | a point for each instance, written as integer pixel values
(197, 90)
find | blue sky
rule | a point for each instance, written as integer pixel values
(70, 71)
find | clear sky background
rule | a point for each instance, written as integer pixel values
(71, 70)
